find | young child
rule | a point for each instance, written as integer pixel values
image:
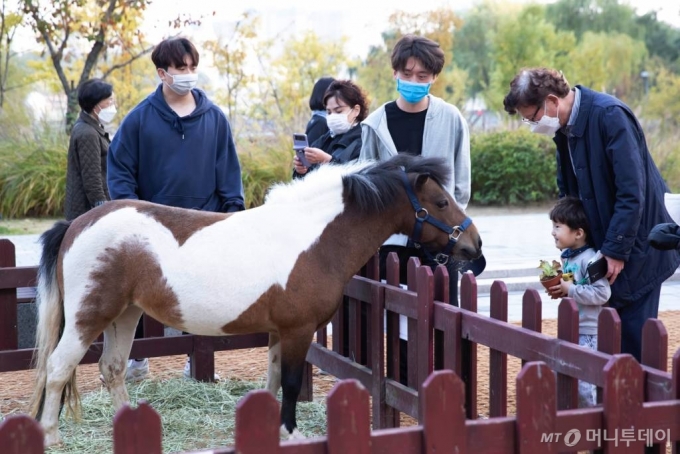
(570, 230)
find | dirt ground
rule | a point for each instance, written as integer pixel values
(251, 364)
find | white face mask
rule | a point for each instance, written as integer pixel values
(338, 123)
(182, 83)
(547, 125)
(106, 114)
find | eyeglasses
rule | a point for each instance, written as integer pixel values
(532, 119)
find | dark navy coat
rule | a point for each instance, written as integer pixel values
(622, 191)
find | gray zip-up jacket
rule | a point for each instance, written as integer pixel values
(589, 297)
(446, 135)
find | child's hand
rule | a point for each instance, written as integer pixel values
(561, 290)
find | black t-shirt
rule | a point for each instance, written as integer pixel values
(406, 128)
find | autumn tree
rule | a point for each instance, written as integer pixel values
(10, 20)
(231, 53)
(609, 63)
(438, 25)
(538, 44)
(285, 82)
(76, 33)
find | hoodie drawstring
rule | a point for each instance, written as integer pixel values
(177, 124)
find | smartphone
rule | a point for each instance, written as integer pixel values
(597, 269)
(299, 145)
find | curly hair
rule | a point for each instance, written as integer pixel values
(531, 86)
(351, 94)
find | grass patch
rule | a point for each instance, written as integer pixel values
(194, 415)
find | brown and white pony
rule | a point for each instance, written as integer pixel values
(279, 268)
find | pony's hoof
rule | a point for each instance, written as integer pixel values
(295, 435)
(52, 440)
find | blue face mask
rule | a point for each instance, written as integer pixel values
(412, 91)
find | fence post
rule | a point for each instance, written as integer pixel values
(349, 426)
(622, 403)
(383, 414)
(9, 337)
(498, 361)
(392, 332)
(468, 301)
(258, 423)
(21, 434)
(442, 406)
(536, 408)
(441, 293)
(137, 431)
(655, 344)
(203, 359)
(532, 315)
(412, 327)
(567, 330)
(425, 324)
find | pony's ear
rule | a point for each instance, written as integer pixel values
(421, 179)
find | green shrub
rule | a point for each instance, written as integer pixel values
(33, 176)
(264, 162)
(512, 167)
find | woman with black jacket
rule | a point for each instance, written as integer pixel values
(346, 106)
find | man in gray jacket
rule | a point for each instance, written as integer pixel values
(421, 124)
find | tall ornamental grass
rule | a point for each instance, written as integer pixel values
(33, 176)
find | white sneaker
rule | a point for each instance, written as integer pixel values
(137, 370)
(187, 370)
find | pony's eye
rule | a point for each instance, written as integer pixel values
(443, 203)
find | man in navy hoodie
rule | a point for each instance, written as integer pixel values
(175, 148)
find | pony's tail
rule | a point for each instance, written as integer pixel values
(50, 322)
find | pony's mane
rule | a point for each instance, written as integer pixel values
(371, 186)
(374, 188)
(319, 181)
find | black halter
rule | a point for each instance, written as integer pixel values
(423, 216)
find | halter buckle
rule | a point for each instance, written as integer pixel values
(457, 232)
(441, 258)
(422, 210)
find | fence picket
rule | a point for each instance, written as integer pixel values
(349, 427)
(21, 434)
(623, 394)
(567, 329)
(536, 408)
(498, 361)
(442, 399)
(137, 431)
(257, 423)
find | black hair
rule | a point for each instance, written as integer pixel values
(569, 211)
(422, 49)
(92, 92)
(350, 93)
(171, 52)
(316, 100)
(531, 86)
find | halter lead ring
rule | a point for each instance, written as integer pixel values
(454, 232)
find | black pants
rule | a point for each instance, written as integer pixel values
(404, 254)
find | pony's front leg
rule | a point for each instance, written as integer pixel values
(274, 365)
(294, 347)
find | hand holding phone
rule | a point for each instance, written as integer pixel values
(299, 145)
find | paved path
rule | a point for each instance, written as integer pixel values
(513, 245)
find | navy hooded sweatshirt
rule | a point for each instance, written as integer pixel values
(186, 162)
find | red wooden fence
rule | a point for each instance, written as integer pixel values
(623, 424)
(444, 336)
